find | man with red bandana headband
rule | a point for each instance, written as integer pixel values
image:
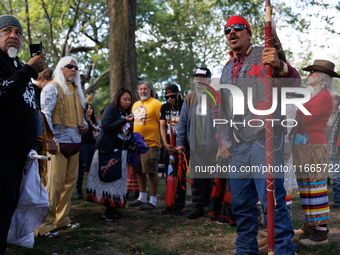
(246, 143)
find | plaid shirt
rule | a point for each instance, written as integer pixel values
(333, 137)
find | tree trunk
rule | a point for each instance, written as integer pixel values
(123, 59)
(28, 23)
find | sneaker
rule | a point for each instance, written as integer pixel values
(72, 225)
(110, 217)
(52, 234)
(114, 211)
(147, 206)
(196, 213)
(135, 203)
(336, 204)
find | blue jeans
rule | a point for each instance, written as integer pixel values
(335, 177)
(85, 158)
(245, 189)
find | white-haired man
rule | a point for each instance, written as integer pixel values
(62, 102)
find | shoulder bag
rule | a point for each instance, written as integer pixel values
(110, 165)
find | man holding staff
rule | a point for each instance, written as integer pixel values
(247, 144)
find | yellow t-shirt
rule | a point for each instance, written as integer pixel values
(146, 120)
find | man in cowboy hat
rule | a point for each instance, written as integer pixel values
(18, 110)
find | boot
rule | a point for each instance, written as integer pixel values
(305, 229)
(320, 237)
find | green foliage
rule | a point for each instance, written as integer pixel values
(173, 37)
(76, 27)
(102, 99)
(177, 38)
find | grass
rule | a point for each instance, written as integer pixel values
(152, 233)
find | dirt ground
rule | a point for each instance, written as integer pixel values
(140, 232)
(150, 232)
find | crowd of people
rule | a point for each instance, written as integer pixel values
(53, 117)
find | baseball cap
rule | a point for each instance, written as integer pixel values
(172, 88)
(202, 72)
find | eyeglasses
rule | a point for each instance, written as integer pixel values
(237, 28)
(69, 66)
(171, 96)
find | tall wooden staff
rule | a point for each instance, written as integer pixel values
(269, 135)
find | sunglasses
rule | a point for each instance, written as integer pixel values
(237, 28)
(171, 96)
(69, 66)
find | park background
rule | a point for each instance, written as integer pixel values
(121, 42)
(152, 233)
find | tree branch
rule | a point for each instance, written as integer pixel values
(49, 28)
(83, 49)
(28, 23)
(97, 80)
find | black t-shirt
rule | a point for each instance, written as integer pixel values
(171, 115)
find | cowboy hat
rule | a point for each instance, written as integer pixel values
(323, 66)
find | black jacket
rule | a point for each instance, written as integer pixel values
(112, 124)
(17, 108)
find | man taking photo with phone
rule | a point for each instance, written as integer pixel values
(18, 109)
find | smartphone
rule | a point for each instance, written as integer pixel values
(36, 49)
(91, 92)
